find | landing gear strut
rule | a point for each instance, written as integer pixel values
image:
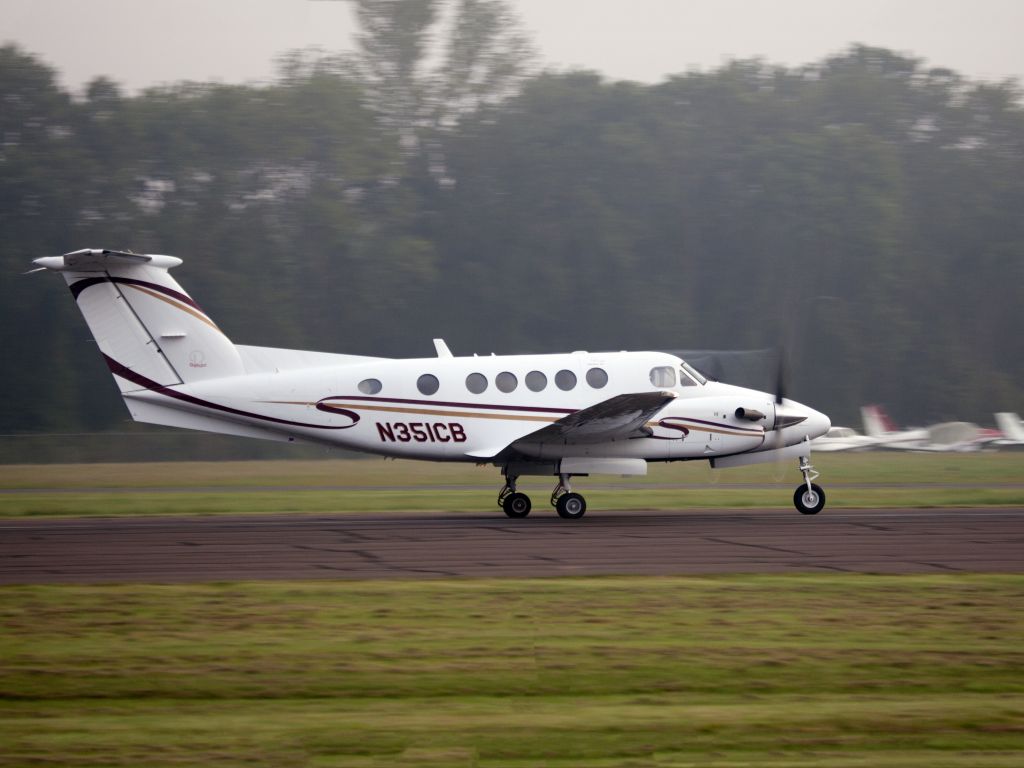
(569, 505)
(514, 503)
(809, 497)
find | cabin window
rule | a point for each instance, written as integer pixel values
(427, 384)
(565, 380)
(476, 383)
(663, 376)
(536, 381)
(597, 377)
(506, 382)
(369, 386)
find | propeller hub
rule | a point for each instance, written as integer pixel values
(788, 416)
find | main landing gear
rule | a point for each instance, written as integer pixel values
(569, 505)
(809, 497)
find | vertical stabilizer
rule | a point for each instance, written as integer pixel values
(874, 424)
(149, 330)
(1010, 425)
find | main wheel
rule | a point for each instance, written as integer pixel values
(571, 506)
(809, 501)
(517, 505)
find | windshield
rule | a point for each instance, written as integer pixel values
(693, 372)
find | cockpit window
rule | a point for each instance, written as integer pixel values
(694, 373)
(663, 376)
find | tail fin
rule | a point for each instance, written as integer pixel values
(149, 330)
(1011, 426)
(874, 421)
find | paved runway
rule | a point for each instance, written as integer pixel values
(439, 545)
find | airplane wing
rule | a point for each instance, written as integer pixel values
(615, 418)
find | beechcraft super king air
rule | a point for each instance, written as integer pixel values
(559, 415)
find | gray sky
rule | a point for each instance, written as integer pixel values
(145, 42)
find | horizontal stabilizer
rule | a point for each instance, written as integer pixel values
(101, 260)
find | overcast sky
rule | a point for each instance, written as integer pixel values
(146, 42)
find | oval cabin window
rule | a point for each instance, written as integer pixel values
(506, 382)
(597, 377)
(565, 380)
(427, 384)
(476, 383)
(536, 381)
(370, 386)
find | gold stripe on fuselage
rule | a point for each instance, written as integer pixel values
(499, 416)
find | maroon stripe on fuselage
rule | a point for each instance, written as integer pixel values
(137, 378)
(713, 424)
(81, 285)
(447, 404)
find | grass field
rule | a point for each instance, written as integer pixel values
(850, 480)
(775, 671)
(722, 671)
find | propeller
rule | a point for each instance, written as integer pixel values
(780, 396)
(780, 376)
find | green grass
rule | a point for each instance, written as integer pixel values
(850, 480)
(739, 671)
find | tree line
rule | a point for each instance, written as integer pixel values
(865, 211)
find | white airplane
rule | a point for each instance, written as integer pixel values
(843, 439)
(877, 425)
(558, 415)
(947, 437)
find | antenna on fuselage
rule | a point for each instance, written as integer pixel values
(442, 348)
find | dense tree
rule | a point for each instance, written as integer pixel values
(863, 210)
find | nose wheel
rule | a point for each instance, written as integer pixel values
(809, 498)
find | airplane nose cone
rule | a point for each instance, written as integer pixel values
(798, 420)
(817, 423)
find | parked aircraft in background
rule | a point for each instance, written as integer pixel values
(1012, 432)
(878, 426)
(950, 436)
(561, 415)
(843, 439)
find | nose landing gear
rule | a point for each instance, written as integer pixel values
(809, 497)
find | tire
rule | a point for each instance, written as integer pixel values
(517, 505)
(809, 502)
(571, 506)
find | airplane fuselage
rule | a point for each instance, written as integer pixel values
(389, 406)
